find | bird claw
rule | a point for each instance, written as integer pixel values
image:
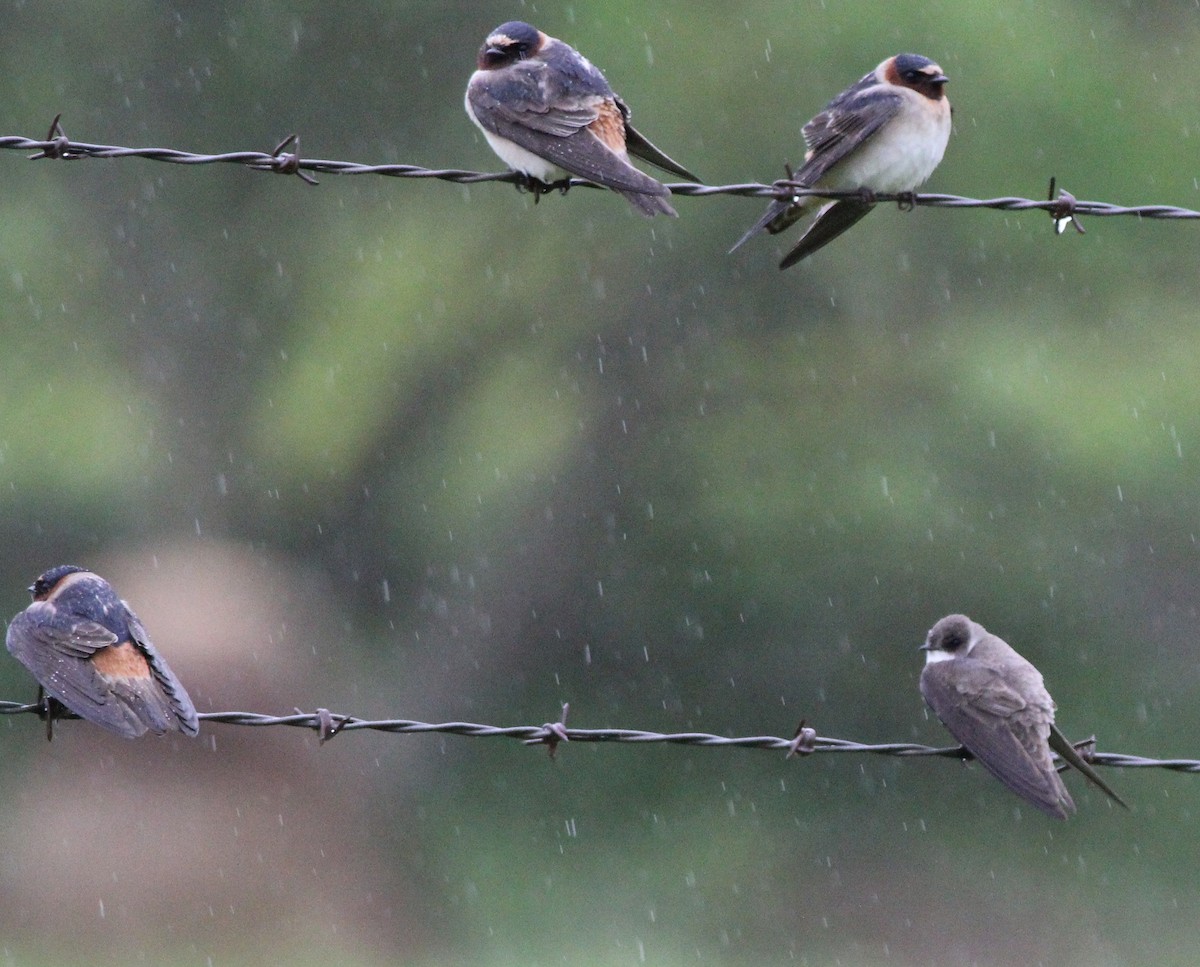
(48, 709)
(537, 187)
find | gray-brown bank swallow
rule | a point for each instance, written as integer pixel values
(89, 651)
(886, 133)
(994, 702)
(548, 113)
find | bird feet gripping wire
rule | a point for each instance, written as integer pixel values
(537, 187)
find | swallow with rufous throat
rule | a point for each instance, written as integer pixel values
(89, 652)
(885, 134)
(548, 113)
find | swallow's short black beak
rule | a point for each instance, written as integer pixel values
(31, 588)
(924, 647)
(939, 79)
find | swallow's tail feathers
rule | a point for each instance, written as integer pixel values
(1060, 744)
(649, 204)
(779, 215)
(637, 144)
(831, 221)
(172, 706)
(142, 707)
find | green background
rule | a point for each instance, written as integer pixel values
(410, 449)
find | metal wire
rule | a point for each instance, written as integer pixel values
(1064, 209)
(285, 159)
(550, 734)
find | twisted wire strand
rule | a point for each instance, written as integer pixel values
(285, 159)
(328, 724)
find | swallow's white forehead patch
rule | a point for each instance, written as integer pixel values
(75, 577)
(504, 40)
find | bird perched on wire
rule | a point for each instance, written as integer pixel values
(995, 703)
(886, 133)
(548, 113)
(89, 652)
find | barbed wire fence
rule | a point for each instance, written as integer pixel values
(1064, 208)
(804, 742)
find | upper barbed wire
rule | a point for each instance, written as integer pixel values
(285, 159)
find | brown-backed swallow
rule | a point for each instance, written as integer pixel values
(548, 113)
(994, 702)
(884, 134)
(89, 651)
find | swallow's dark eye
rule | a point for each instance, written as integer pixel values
(955, 639)
(498, 56)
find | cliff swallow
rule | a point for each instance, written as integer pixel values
(89, 651)
(885, 134)
(994, 702)
(548, 113)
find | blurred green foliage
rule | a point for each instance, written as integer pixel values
(555, 453)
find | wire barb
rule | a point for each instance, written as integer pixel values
(804, 742)
(284, 161)
(554, 732)
(1063, 212)
(57, 144)
(327, 724)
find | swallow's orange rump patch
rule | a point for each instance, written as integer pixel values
(121, 661)
(609, 127)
